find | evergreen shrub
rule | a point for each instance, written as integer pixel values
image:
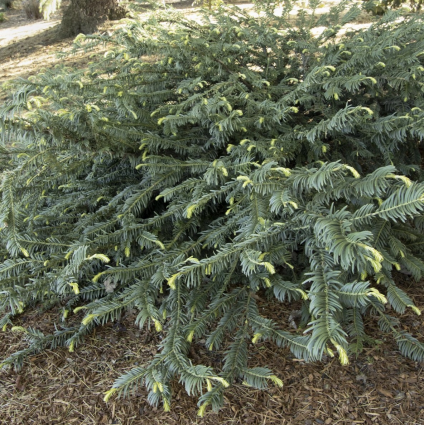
(199, 167)
(378, 7)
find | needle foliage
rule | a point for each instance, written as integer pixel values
(199, 168)
(378, 7)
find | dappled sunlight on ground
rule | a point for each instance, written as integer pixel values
(27, 45)
(12, 34)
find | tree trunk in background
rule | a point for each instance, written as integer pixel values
(84, 16)
(5, 4)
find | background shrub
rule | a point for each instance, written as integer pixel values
(378, 7)
(32, 9)
(199, 166)
(6, 4)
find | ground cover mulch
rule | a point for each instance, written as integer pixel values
(57, 387)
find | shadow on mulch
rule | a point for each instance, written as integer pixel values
(49, 37)
(57, 387)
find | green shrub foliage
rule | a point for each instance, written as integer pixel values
(199, 164)
(378, 7)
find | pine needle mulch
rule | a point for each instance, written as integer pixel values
(57, 387)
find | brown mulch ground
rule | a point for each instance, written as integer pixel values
(57, 387)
